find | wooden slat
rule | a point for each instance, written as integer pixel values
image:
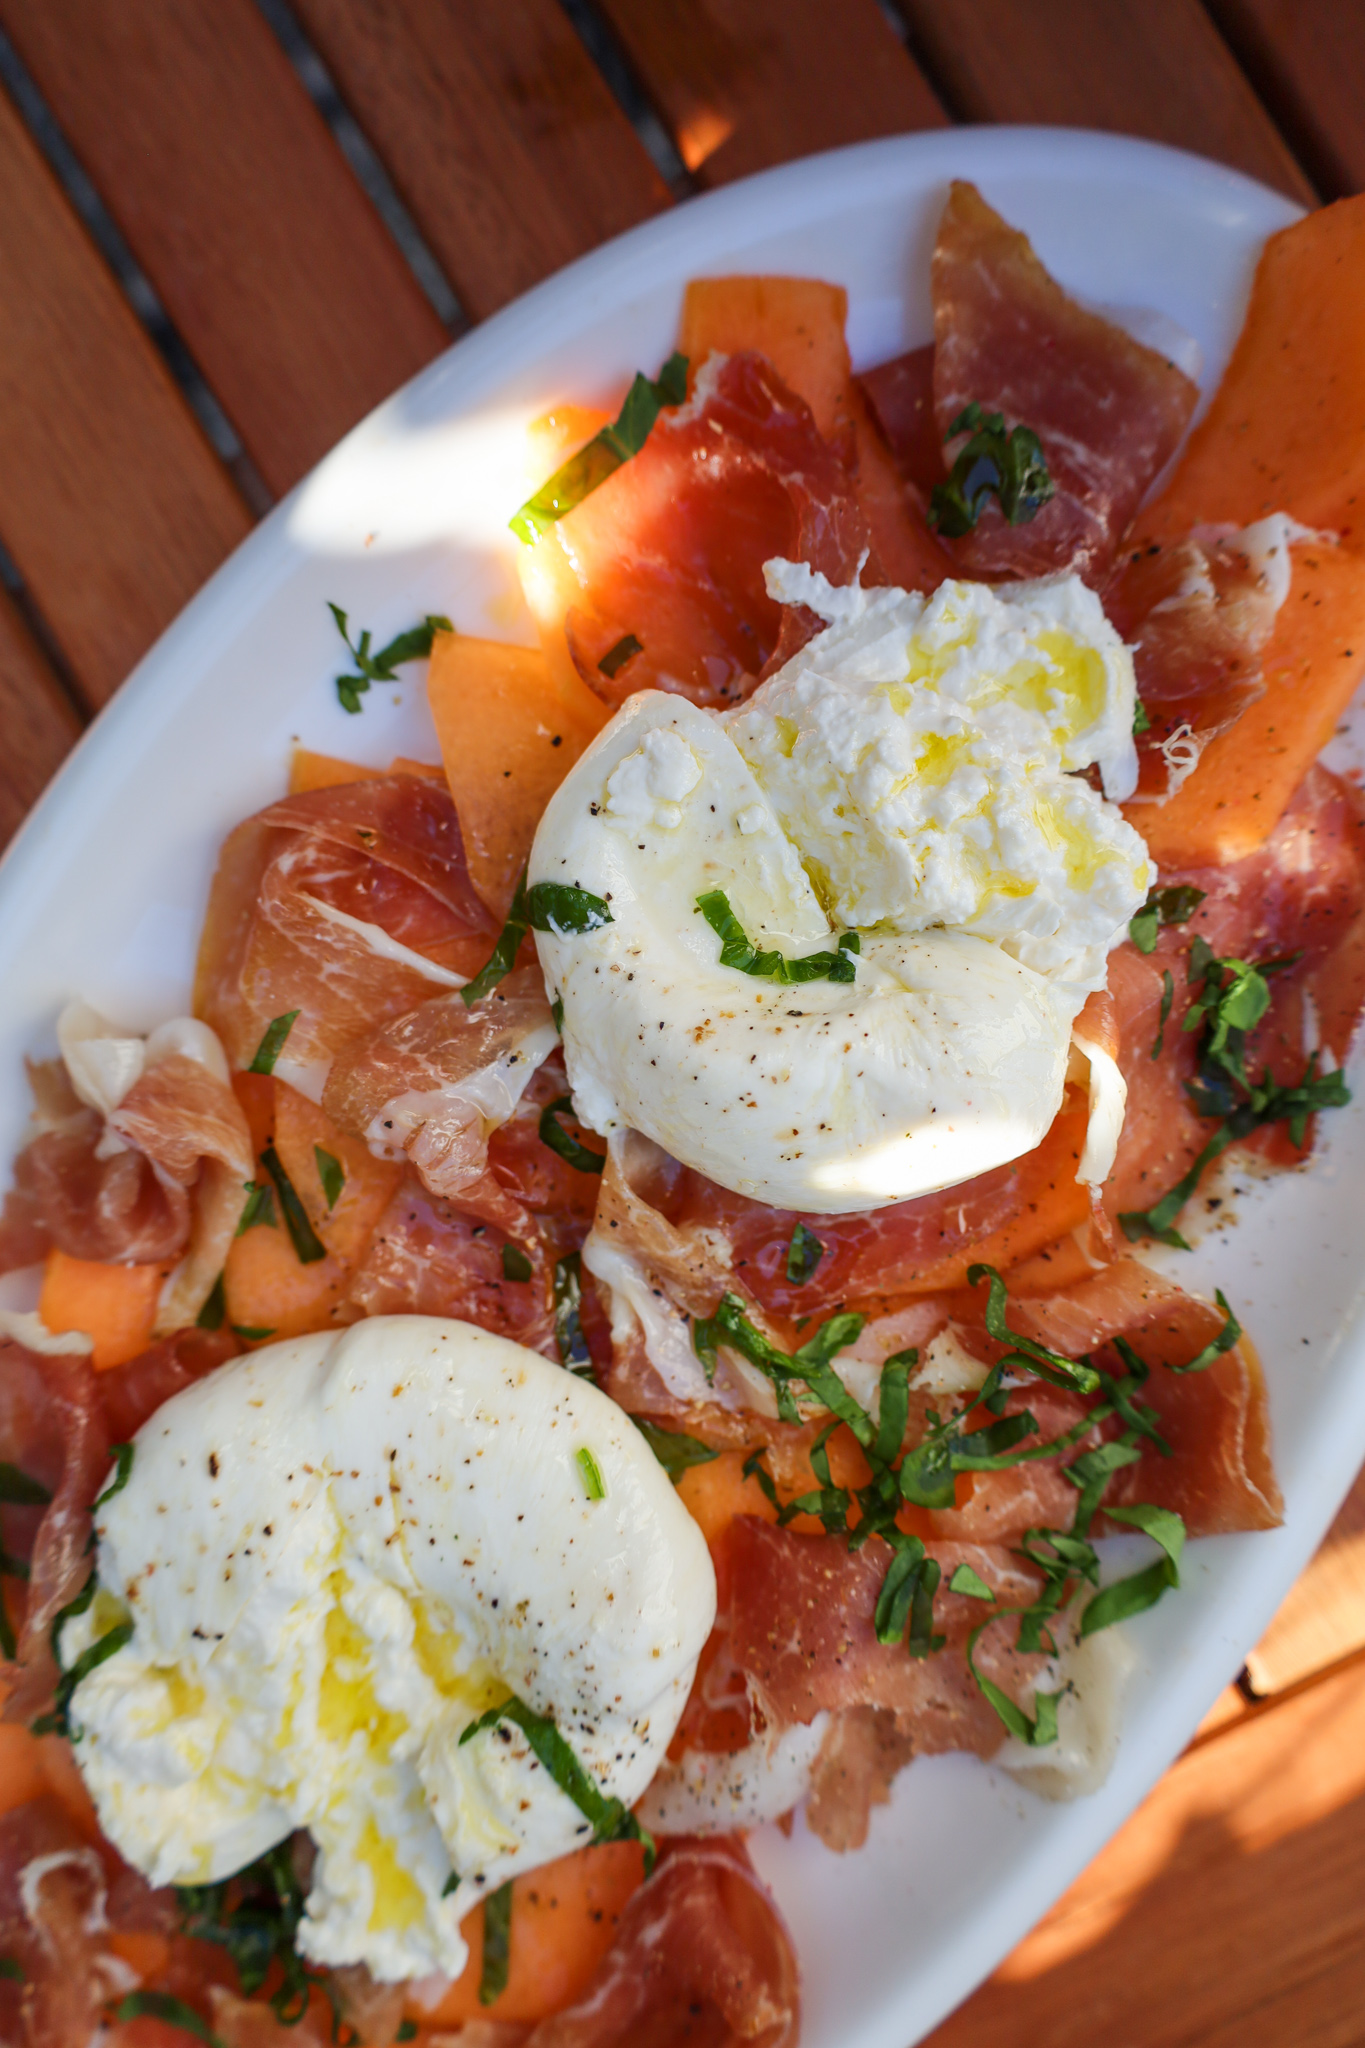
(1156, 68)
(1228, 1913)
(270, 260)
(1323, 1618)
(495, 126)
(38, 724)
(1306, 58)
(113, 505)
(742, 84)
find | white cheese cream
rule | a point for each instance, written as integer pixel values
(336, 1553)
(914, 774)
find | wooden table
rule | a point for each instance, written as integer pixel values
(228, 230)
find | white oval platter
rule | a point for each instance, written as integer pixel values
(102, 893)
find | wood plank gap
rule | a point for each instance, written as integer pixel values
(1306, 58)
(1258, 1704)
(603, 45)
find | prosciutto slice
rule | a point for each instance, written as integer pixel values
(1198, 615)
(701, 1955)
(1108, 412)
(432, 1086)
(349, 904)
(670, 549)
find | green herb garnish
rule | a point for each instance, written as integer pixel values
(249, 1334)
(675, 1452)
(557, 1013)
(804, 1254)
(255, 1916)
(615, 658)
(738, 950)
(610, 1819)
(1167, 998)
(1077, 1376)
(1233, 996)
(122, 1455)
(577, 478)
(259, 1207)
(970, 1583)
(414, 645)
(17, 1490)
(497, 1944)
(1141, 722)
(546, 907)
(214, 1311)
(331, 1175)
(515, 1264)
(1175, 904)
(553, 1134)
(570, 1342)
(1009, 467)
(272, 1044)
(58, 1720)
(173, 2012)
(593, 1481)
(306, 1242)
(13, 1970)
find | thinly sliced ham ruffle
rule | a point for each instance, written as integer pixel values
(350, 904)
(428, 1258)
(434, 1085)
(670, 549)
(701, 1954)
(1108, 411)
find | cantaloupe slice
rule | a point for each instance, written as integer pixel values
(308, 770)
(564, 1919)
(796, 322)
(510, 729)
(1285, 433)
(302, 1130)
(113, 1304)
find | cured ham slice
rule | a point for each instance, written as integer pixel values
(824, 1653)
(701, 1954)
(350, 904)
(1108, 412)
(129, 1394)
(432, 1086)
(52, 1426)
(1199, 615)
(670, 549)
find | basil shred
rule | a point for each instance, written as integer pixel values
(16, 1490)
(413, 645)
(676, 1452)
(308, 1246)
(553, 1134)
(570, 1342)
(1173, 905)
(255, 1916)
(497, 1944)
(738, 950)
(272, 1044)
(924, 1476)
(331, 1175)
(804, 1254)
(611, 1820)
(545, 907)
(1231, 999)
(615, 658)
(1008, 467)
(601, 457)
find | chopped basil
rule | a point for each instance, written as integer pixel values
(122, 1455)
(515, 1264)
(255, 1916)
(810, 1365)
(1167, 998)
(58, 1720)
(1009, 467)
(1141, 722)
(331, 1175)
(570, 1342)
(567, 912)
(804, 1254)
(970, 1583)
(547, 907)
(675, 1452)
(259, 1208)
(308, 1246)
(413, 645)
(272, 1044)
(214, 1311)
(1077, 1375)
(408, 2030)
(1224, 1341)
(610, 1819)
(577, 478)
(1175, 904)
(1037, 1733)
(553, 1134)
(17, 1490)
(557, 1012)
(738, 950)
(615, 658)
(173, 2012)
(497, 1944)
(12, 1969)
(451, 1885)
(1233, 997)
(593, 1481)
(249, 1334)
(1135, 1594)
(906, 1600)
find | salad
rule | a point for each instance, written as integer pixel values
(621, 1314)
